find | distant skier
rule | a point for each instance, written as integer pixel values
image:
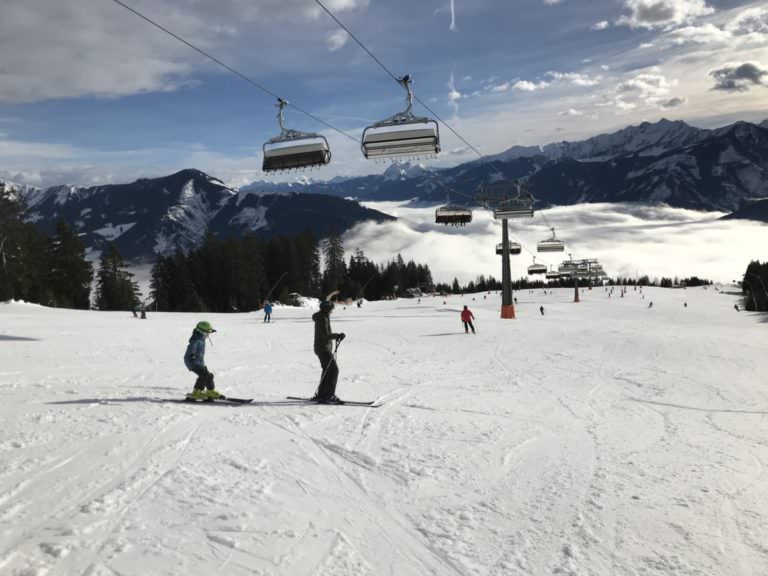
(736, 307)
(143, 313)
(685, 304)
(541, 309)
(326, 390)
(194, 359)
(467, 317)
(650, 305)
(268, 312)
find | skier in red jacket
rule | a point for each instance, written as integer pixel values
(467, 317)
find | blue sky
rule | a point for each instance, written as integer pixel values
(91, 94)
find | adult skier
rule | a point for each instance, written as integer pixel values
(467, 317)
(326, 390)
(541, 309)
(268, 312)
(194, 359)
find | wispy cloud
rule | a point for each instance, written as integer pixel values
(600, 25)
(336, 40)
(662, 13)
(452, 26)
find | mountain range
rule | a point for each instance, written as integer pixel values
(667, 161)
(161, 215)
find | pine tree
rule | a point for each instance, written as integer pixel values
(335, 267)
(70, 274)
(115, 289)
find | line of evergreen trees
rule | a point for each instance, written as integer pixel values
(754, 286)
(45, 270)
(240, 274)
(484, 284)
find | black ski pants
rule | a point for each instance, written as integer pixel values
(467, 325)
(204, 378)
(327, 387)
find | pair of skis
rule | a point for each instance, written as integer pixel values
(368, 404)
(240, 401)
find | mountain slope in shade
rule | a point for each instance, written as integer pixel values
(750, 210)
(668, 162)
(161, 215)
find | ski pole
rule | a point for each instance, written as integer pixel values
(333, 359)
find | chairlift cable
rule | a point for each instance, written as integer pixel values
(230, 68)
(392, 75)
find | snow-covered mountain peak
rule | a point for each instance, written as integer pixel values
(404, 171)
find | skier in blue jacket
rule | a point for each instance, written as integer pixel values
(194, 360)
(268, 312)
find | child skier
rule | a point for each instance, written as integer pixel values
(194, 359)
(467, 317)
(326, 390)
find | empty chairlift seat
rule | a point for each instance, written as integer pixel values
(514, 248)
(293, 149)
(402, 135)
(412, 139)
(537, 268)
(552, 274)
(552, 244)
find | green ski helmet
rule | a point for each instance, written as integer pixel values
(204, 327)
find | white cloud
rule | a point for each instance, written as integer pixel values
(552, 2)
(572, 112)
(751, 21)
(53, 49)
(452, 26)
(453, 95)
(336, 40)
(526, 86)
(573, 78)
(627, 238)
(501, 87)
(662, 13)
(705, 34)
(601, 25)
(646, 85)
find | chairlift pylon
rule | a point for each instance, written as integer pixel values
(402, 135)
(551, 244)
(293, 149)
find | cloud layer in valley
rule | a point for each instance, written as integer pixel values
(628, 239)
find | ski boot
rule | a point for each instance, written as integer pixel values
(212, 394)
(197, 395)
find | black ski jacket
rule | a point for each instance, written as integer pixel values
(323, 336)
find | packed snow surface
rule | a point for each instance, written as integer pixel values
(602, 438)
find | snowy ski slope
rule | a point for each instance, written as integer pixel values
(603, 438)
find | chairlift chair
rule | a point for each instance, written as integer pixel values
(453, 214)
(552, 274)
(402, 135)
(293, 149)
(536, 268)
(552, 244)
(514, 248)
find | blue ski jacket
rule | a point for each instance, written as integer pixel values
(194, 357)
(268, 309)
